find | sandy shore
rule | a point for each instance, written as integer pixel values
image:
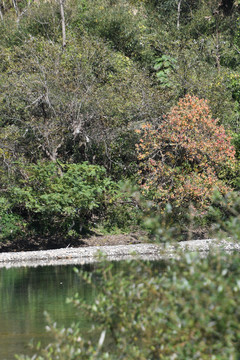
(83, 255)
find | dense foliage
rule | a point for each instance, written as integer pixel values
(62, 202)
(78, 78)
(184, 158)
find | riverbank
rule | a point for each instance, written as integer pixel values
(56, 242)
(90, 254)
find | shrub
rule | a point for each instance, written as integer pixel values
(58, 198)
(185, 158)
(11, 225)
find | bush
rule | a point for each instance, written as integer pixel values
(188, 309)
(61, 198)
(11, 225)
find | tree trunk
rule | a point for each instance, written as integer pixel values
(178, 14)
(63, 23)
(15, 7)
(1, 14)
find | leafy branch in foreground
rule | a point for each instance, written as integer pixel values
(185, 309)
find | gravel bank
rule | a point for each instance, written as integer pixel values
(74, 256)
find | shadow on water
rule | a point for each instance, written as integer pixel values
(25, 293)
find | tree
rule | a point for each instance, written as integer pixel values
(183, 159)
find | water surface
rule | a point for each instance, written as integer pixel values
(25, 293)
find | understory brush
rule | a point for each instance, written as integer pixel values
(66, 200)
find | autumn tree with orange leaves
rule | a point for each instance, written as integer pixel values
(183, 158)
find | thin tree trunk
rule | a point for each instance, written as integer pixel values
(178, 14)
(218, 56)
(15, 7)
(217, 46)
(1, 14)
(63, 23)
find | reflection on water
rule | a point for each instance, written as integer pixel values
(25, 293)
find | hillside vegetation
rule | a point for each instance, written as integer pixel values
(98, 93)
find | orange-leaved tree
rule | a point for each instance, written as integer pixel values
(183, 158)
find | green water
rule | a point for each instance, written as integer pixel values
(25, 293)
